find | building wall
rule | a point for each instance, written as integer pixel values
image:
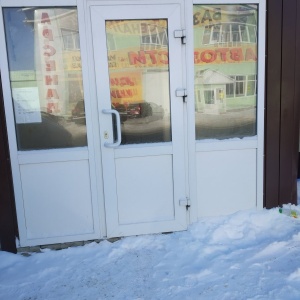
(282, 102)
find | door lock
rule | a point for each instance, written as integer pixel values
(181, 93)
(106, 135)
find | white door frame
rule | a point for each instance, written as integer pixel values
(178, 105)
(92, 152)
(256, 143)
(33, 158)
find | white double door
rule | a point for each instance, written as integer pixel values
(138, 68)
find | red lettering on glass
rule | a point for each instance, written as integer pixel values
(126, 81)
(121, 82)
(52, 108)
(52, 94)
(50, 65)
(223, 53)
(47, 33)
(114, 81)
(113, 94)
(128, 93)
(152, 56)
(134, 58)
(51, 80)
(45, 18)
(196, 57)
(50, 51)
(236, 54)
(208, 56)
(250, 55)
(163, 60)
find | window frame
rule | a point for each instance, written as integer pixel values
(74, 38)
(157, 36)
(220, 32)
(257, 142)
(19, 158)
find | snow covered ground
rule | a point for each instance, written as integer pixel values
(247, 255)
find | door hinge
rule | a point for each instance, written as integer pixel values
(185, 202)
(180, 34)
(181, 93)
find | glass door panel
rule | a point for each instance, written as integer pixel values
(136, 57)
(139, 78)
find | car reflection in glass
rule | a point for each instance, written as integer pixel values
(54, 131)
(141, 122)
(146, 122)
(47, 134)
(122, 110)
(78, 113)
(145, 109)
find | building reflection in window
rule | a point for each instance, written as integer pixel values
(225, 64)
(45, 74)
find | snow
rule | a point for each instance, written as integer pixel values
(253, 254)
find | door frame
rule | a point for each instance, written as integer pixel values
(257, 144)
(19, 158)
(87, 59)
(189, 114)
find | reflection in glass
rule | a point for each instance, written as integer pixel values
(45, 75)
(139, 79)
(225, 64)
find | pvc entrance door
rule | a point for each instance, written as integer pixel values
(138, 67)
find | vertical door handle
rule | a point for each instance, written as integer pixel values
(118, 121)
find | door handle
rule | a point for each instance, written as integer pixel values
(118, 121)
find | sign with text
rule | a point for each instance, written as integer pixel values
(26, 105)
(126, 87)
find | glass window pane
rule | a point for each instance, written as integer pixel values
(45, 75)
(209, 97)
(240, 86)
(225, 70)
(216, 34)
(206, 35)
(235, 33)
(252, 34)
(226, 33)
(229, 90)
(244, 33)
(139, 79)
(251, 85)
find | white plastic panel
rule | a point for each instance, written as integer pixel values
(57, 199)
(226, 181)
(145, 194)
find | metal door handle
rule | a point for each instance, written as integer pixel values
(118, 121)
